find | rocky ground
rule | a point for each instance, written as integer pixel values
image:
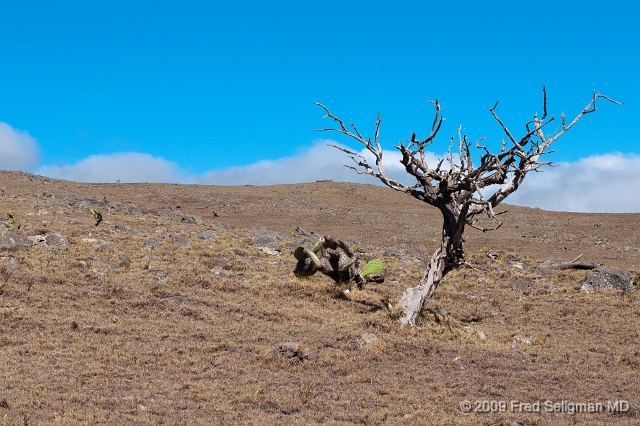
(180, 307)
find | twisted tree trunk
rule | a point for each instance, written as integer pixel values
(448, 256)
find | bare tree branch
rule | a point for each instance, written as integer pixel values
(457, 191)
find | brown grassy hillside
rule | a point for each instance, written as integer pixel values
(148, 319)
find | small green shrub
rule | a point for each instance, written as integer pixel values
(374, 267)
(97, 215)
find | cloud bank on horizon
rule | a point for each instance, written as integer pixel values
(600, 183)
(18, 150)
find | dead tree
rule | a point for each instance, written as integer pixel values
(456, 189)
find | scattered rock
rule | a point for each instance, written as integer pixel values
(545, 269)
(497, 317)
(124, 261)
(475, 331)
(365, 341)
(270, 251)
(101, 267)
(150, 244)
(65, 200)
(527, 339)
(179, 240)
(185, 218)
(53, 239)
(608, 277)
(12, 241)
(159, 274)
(124, 230)
(38, 240)
(89, 203)
(178, 300)
(207, 236)
(294, 350)
(516, 265)
(161, 232)
(523, 285)
(118, 207)
(71, 200)
(250, 260)
(493, 255)
(265, 238)
(222, 261)
(103, 246)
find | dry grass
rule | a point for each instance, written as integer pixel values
(181, 336)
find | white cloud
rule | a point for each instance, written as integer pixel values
(599, 184)
(126, 167)
(318, 163)
(18, 150)
(602, 183)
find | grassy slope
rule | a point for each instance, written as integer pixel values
(180, 337)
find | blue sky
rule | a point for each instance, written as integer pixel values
(213, 91)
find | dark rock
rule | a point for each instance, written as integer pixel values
(608, 277)
(374, 279)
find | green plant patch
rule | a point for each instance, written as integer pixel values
(374, 267)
